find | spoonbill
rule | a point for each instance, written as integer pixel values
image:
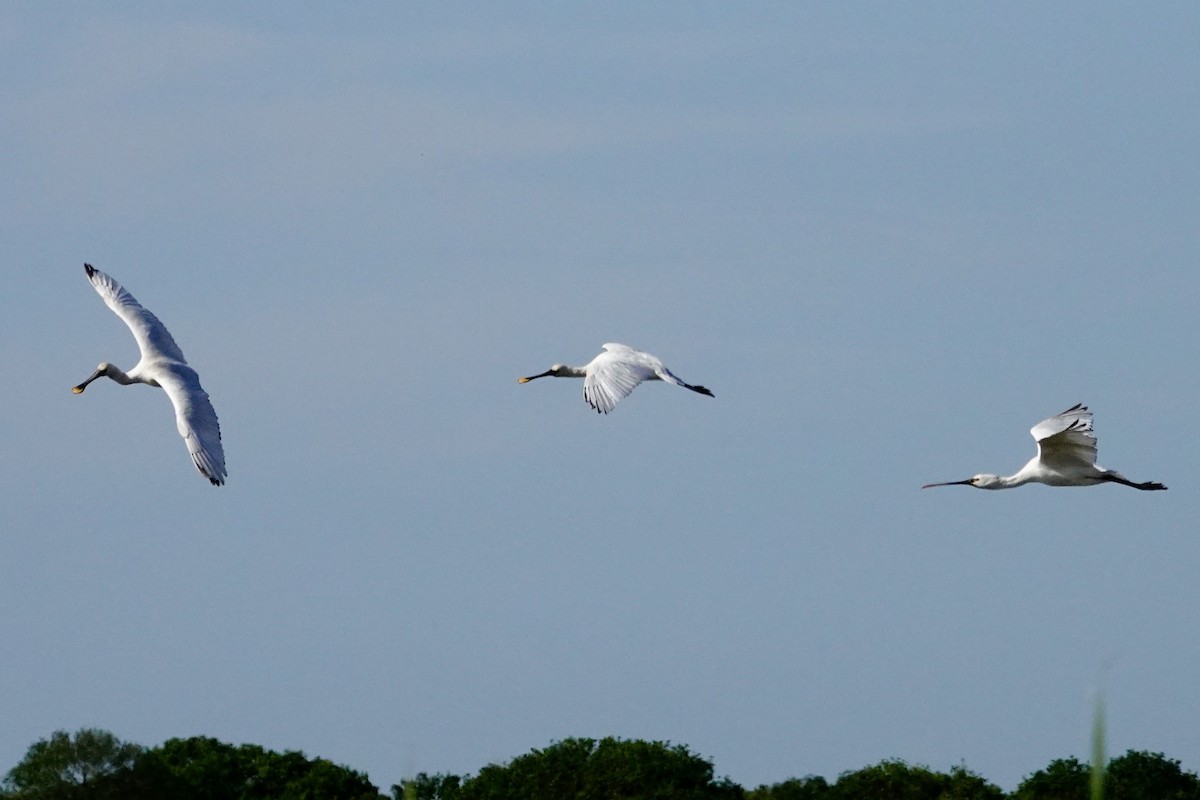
(615, 373)
(1066, 457)
(162, 364)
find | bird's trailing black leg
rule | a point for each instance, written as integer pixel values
(1148, 486)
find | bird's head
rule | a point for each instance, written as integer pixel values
(978, 481)
(100, 372)
(558, 371)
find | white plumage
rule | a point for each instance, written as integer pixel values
(1066, 457)
(162, 364)
(613, 374)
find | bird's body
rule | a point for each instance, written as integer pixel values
(1066, 457)
(162, 364)
(612, 375)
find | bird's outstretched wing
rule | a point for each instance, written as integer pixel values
(153, 338)
(1066, 439)
(612, 375)
(195, 419)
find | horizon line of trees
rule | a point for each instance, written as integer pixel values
(93, 764)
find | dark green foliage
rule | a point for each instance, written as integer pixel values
(428, 787)
(611, 768)
(888, 780)
(1137, 775)
(1063, 779)
(94, 765)
(966, 785)
(1141, 774)
(66, 766)
(895, 780)
(181, 769)
(810, 787)
(197, 768)
(202, 768)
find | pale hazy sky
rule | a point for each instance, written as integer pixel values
(890, 238)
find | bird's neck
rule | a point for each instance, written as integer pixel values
(1030, 473)
(1012, 481)
(126, 379)
(574, 372)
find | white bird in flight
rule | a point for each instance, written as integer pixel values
(615, 373)
(1066, 457)
(162, 364)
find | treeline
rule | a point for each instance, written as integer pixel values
(94, 764)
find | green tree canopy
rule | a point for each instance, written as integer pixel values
(888, 780)
(1063, 779)
(1136, 775)
(202, 768)
(1139, 774)
(441, 786)
(895, 780)
(609, 768)
(65, 766)
(810, 787)
(96, 766)
(93, 764)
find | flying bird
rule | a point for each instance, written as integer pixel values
(1066, 457)
(162, 364)
(615, 373)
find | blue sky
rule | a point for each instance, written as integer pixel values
(890, 239)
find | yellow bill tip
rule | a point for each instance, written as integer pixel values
(77, 389)
(522, 380)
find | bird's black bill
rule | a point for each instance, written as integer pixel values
(535, 377)
(79, 389)
(967, 482)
